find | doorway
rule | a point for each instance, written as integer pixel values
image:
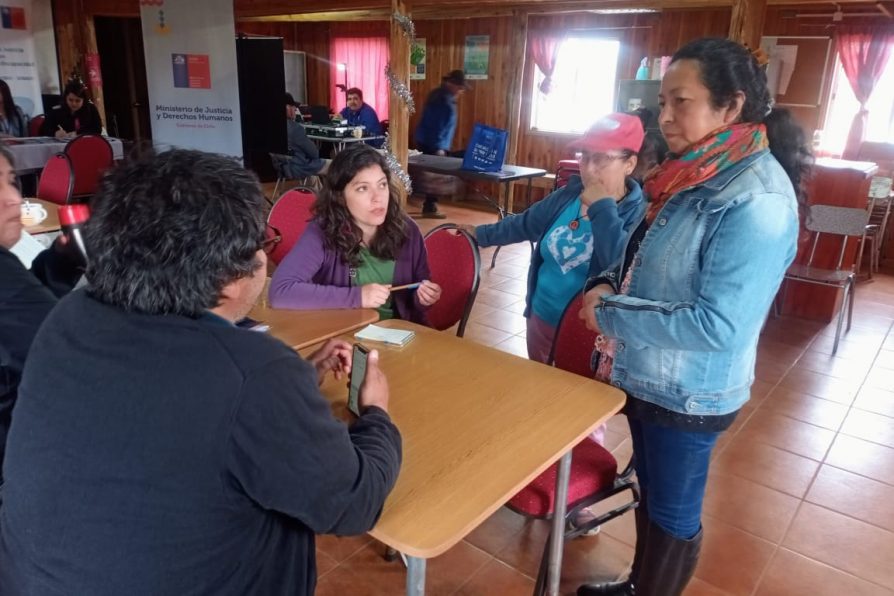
(126, 94)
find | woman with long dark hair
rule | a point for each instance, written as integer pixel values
(13, 122)
(679, 321)
(359, 244)
(76, 116)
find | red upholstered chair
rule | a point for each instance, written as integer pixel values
(455, 265)
(565, 169)
(289, 216)
(56, 180)
(91, 156)
(594, 470)
(35, 124)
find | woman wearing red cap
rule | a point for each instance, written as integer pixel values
(679, 320)
(579, 229)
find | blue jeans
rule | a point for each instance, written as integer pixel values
(672, 470)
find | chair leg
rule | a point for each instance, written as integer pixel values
(850, 306)
(276, 187)
(493, 260)
(840, 318)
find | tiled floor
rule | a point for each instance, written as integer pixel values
(801, 493)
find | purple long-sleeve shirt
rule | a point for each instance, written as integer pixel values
(313, 276)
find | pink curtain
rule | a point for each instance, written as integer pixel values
(864, 52)
(365, 58)
(544, 48)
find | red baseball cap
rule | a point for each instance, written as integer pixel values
(612, 132)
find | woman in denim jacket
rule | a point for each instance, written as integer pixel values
(680, 320)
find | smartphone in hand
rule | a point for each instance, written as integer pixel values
(358, 373)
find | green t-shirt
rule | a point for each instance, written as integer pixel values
(373, 270)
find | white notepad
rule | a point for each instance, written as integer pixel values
(393, 337)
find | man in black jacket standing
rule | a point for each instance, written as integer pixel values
(157, 448)
(26, 297)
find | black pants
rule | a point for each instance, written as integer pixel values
(430, 204)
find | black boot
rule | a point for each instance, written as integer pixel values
(625, 588)
(668, 563)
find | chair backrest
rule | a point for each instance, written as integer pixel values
(35, 125)
(91, 156)
(290, 215)
(573, 344)
(880, 153)
(455, 265)
(565, 169)
(840, 221)
(56, 180)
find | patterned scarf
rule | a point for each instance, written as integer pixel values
(702, 161)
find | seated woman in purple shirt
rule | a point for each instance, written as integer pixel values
(359, 244)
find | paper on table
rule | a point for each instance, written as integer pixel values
(394, 337)
(27, 249)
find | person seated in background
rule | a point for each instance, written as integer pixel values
(26, 297)
(359, 244)
(360, 113)
(304, 157)
(13, 122)
(654, 147)
(76, 116)
(156, 447)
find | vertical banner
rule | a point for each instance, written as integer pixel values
(476, 56)
(192, 76)
(18, 65)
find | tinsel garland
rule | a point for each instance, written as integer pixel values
(395, 167)
(406, 25)
(400, 89)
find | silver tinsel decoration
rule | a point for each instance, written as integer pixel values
(395, 167)
(406, 25)
(400, 88)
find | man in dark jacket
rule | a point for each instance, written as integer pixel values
(158, 448)
(304, 157)
(26, 297)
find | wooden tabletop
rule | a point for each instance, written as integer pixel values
(302, 328)
(51, 223)
(477, 425)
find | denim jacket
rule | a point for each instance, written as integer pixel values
(704, 277)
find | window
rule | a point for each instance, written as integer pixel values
(360, 62)
(583, 89)
(843, 106)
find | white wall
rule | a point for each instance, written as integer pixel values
(45, 46)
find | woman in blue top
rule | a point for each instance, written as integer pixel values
(580, 229)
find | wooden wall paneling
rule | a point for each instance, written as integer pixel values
(398, 114)
(747, 22)
(512, 74)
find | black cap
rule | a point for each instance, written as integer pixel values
(457, 77)
(290, 101)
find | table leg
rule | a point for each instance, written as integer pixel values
(415, 576)
(557, 536)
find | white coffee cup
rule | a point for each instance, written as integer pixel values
(358, 132)
(32, 214)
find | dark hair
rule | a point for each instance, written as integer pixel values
(354, 91)
(652, 153)
(331, 210)
(75, 88)
(728, 68)
(169, 230)
(10, 108)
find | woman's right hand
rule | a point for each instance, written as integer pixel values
(374, 295)
(61, 134)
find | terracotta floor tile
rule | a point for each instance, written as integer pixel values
(481, 311)
(819, 385)
(770, 371)
(854, 495)
(484, 335)
(732, 560)
(869, 426)
(885, 359)
(767, 465)
(495, 298)
(744, 415)
(768, 427)
(497, 577)
(791, 574)
(340, 548)
(776, 350)
(759, 390)
(698, 587)
(856, 347)
(504, 321)
(516, 307)
(515, 345)
(325, 563)
(513, 271)
(524, 550)
(881, 378)
(618, 423)
(840, 368)
(862, 457)
(875, 400)
(516, 286)
(749, 506)
(594, 559)
(498, 531)
(844, 543)
(806, 408)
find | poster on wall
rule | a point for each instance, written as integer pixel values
(417, 60)
(18, 62)
(476, 56)
(192, 76)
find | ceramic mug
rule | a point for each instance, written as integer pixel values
(358, 132)
(32, 214)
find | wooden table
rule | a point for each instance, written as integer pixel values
(478, 425)
(337, 138)
(302, 328)
(51, 223)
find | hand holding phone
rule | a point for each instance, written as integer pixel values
(368, 386)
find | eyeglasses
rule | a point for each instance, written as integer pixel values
(272, 237)
(599, 159)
